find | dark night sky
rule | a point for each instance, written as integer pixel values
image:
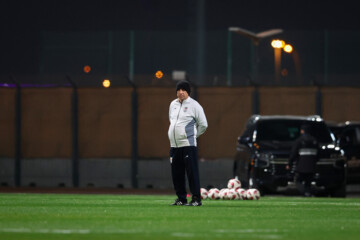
(171, 14)
(21, 21)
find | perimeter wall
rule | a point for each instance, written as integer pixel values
(105, 118)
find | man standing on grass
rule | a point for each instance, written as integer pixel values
(187, 122)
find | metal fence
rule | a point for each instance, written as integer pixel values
(225, 58)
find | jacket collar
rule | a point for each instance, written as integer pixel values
(185, 101)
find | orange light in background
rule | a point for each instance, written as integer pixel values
(106, 83)
(159, 74)
(277, 43)
(87, 69)
(288, 48)
(284, 72)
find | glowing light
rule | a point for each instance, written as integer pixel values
(159, 74)
(331, 146)
(87, 69)
(277, 43)
(254, 135)
(106, 83)
(288, 48)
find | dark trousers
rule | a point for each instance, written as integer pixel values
(303, 182)
(185, 162)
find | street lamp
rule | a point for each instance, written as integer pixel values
(277, 45)
(255, 38)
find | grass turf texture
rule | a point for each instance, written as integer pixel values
(71, 216)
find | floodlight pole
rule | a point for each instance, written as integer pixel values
(277, 65)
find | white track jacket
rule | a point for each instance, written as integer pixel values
(187, 122)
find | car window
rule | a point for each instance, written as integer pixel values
(350, 137)
(289, 130)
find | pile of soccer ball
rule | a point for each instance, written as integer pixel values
(232, 192)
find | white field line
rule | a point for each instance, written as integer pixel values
(308, 203)
(260, 233)
(250, 230)
(67, 231)
(254, 233)
(324, 203)
(54, 231)
(180, 234)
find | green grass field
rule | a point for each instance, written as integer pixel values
(70, 216)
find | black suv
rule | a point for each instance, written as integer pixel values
(348, 136)
(263, 152)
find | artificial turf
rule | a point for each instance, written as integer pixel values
(71, 216)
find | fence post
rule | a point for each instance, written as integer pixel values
(131, 58)
(318, 101)
(18, 154)
(75, 133)
(134, 145)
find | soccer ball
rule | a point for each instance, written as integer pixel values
(223, 193)
(213, 193)
(234, 183)
(242, 193)
(253, 194)
(233, 194)
(203, 193)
